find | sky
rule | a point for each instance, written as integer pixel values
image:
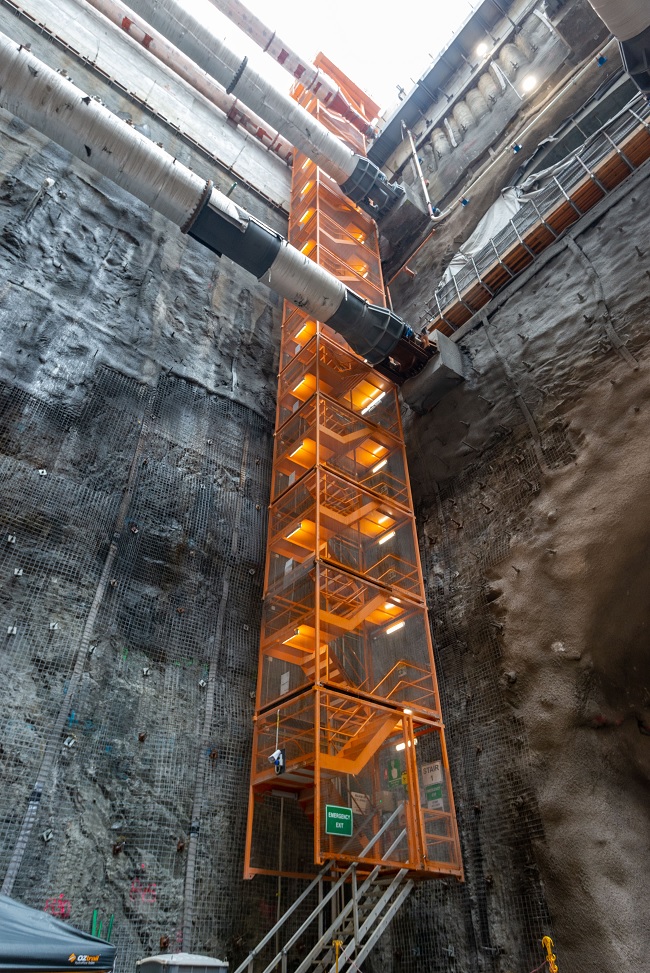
(374, 43)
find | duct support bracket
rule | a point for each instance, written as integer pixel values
(438, 377)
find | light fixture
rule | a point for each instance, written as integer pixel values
(295, 531)
(380, 465)
(388, 606)
(481, 49)
(386, 537)
(529, 82)
(395, 628)
(305, 327)
(293, 391)
(402, 746)
(408, 712)
(373, 403)
(296, 450)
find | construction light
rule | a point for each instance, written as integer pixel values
(529, 82)
(388, 606)
(296, 450)
(408, 712)
(379, 466)
(481, 49)
(373, 403)
(395, 628)
(387, 537)
(296, 531)
(402, 746)
(305, 327)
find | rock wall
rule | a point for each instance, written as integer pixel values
(137, 378)
(530, 483)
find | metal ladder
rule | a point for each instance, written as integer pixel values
(358, 924)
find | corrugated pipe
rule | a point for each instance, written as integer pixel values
(312, 78)
(128, 21)
(58, 109)
(359, 178)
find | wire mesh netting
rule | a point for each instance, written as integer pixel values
(497, 919)
(131, 553)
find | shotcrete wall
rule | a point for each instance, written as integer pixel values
(137, 377)
(137, 382)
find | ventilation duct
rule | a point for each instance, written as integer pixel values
(56, 108)
(153, 42)
(361, 180)
(312, 78)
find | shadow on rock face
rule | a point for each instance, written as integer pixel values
(577, 627)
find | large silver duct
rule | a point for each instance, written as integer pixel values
(55, 107)
(312, 78)
(629, 22)
(359, 178)
(198, 42)
(153, 42)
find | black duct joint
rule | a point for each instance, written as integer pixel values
(372, 331)
(636, 59)
(369, 189)
(254, 248)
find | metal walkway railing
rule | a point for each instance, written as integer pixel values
(619, 148)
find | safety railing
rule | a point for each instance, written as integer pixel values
(611, 154)
(281, 957)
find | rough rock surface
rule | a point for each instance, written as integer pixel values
(580, 650)
(137, 373)
(530, 483)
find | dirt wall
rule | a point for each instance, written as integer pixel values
(531, 488)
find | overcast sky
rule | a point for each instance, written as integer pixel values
(372, 42)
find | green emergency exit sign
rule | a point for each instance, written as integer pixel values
(338, 820)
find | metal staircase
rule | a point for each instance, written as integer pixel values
(352, 910)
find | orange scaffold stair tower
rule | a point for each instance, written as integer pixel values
(346, 686)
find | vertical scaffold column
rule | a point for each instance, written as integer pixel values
(346, 684)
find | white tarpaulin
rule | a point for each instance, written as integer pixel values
(498, 216)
